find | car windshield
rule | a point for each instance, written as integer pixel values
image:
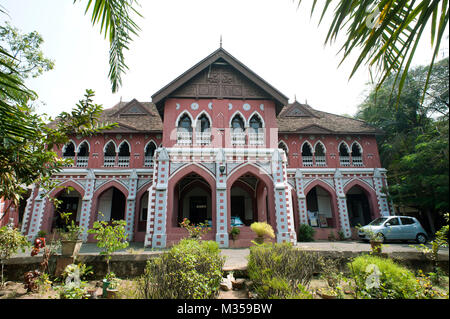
(378, 221)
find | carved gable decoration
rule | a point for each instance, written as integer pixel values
(314, 129)
(220, 80)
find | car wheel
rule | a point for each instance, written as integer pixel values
(421, 238)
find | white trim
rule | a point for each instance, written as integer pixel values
(323, 145)
(106, 144)
(74, 147)
(89, 146)
(181, 115)
(233, 171)
(312, 148)
(339, 146)
(242, 117)
(129, 147)
(360, 148)
(189, 164)
(148, 143)
(260, 117)
(198, 116)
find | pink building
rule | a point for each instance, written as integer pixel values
(219, 144)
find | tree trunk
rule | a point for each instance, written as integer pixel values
(430, 221)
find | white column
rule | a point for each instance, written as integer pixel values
(160, 235)
(221, 200)
(301, 198)
(342, 204)
(383, 204)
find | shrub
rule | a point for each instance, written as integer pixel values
(382, 278)
(281, 271)
(11, 241)
(305, 233)
(191, 269)
(262, 229)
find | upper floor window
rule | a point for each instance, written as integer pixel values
(184, 130)
(149, 154)
(256, 134)
(109, 158)
(203, 133)
(124, 155)
(283, 146)
(237, 130)
(83, 155)
(68, 152)
(307, 156)
(356, 155)
(344, 156)
(319, 155)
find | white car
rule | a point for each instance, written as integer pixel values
(395, 228)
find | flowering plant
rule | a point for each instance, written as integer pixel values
(195, 232)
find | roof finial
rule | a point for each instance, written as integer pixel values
(295, 97)
(220, 41)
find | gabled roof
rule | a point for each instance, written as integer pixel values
(219, 58)
(302, 118)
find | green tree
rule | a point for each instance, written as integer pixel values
(414, 147)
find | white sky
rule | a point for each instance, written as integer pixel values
(271, 37)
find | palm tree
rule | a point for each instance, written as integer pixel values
(386, 32)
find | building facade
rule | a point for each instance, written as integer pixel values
(218, 144)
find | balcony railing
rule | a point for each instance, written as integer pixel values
(256, 138)
(184, 138)
(123, 161)
(321, 161)
(344, 160)
(72, 158)
(203, 138)
(307, 161)
(109, 161)
(357, 161)
(237, 138)
(82, 161)
(148, 161)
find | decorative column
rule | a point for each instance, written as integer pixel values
(87, 204)
(221, 200)
(36, 217)
(342, 204)
(383, 205)
(162, 177)
(29, 208)
(302, 209)
(131, 205)
(281, 211)
(150, 214)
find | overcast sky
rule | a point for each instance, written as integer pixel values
(271, 37)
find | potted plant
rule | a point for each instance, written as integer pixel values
(70, 237)
(262, 230)
(376, 239)
(110, 237)
(111, 282)
(234, 233)
(195, 231)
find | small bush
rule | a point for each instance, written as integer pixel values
(382, 278)
(262, 229)
(281, 271)
(191, 269)
(305, 233)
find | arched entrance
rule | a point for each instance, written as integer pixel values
(111, 205)
(358, 206)
(70, 202)
(319, 208)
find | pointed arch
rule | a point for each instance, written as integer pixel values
(105, 148)
(261, 119)
(319, 143)
(205, 113)
(238, 113)
(122, 150)
(69, 149)
(283, 145)
(307, 143)
(341, 146)
(149, 145)
(181, 115)
(84, 142)
(354, 145)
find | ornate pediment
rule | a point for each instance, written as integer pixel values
(314, 129)
(132, 108)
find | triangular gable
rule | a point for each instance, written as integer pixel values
(219, 75)
(298, 110)
(314, 129)
(132, 108)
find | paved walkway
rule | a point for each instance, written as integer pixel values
(237, 258)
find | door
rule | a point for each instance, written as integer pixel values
(197, 209)
(409, 228)
(393, 229)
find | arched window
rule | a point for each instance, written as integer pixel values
(307, 156)
(184, 130)
(256, 124)
(237, 130)
(344, 156)
(256, 134)
(109, 158)
(124, 155)
(283, 146)
(149, 154)
(83, 155)
(69, 149)
(203, 134)
(319, 154)
(356, 155)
